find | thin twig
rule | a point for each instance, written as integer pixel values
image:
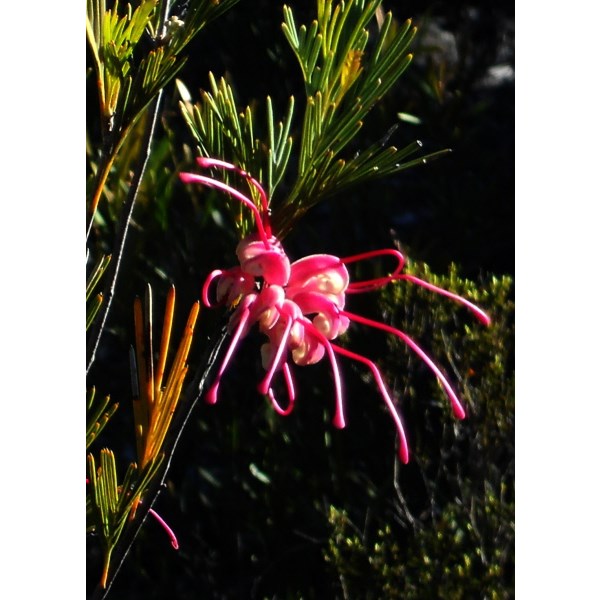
(113, 271)
(401, 499)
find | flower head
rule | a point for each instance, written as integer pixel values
(300, 307)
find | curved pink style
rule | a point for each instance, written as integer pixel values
(164, 525)
(300, 306)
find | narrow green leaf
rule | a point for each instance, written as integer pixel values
(92, 310)
(96, 275)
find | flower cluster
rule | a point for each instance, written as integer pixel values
(300, 306)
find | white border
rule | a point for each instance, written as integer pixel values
(42, 310)
(558, 234)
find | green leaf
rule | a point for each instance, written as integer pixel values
(97, 416)
(93, 304)
(344, 80)
(345, 74)
(110, 504)
(92, 309)
(96, 275)
(224, 130)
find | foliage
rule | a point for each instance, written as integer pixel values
(128, 80)
(344, 81)
(446, 558)
(98, 415)
(453, 527)
(110, 505)
(154, 404)
(130, 75)
(93, 303)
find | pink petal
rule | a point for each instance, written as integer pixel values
(320, 273)
(330, 323)
(309, 352)
(265, 309)
(270, 265)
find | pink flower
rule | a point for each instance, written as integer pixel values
(301, 307)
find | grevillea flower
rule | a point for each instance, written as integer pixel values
(301, 306)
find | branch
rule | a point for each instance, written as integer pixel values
(113, 270)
